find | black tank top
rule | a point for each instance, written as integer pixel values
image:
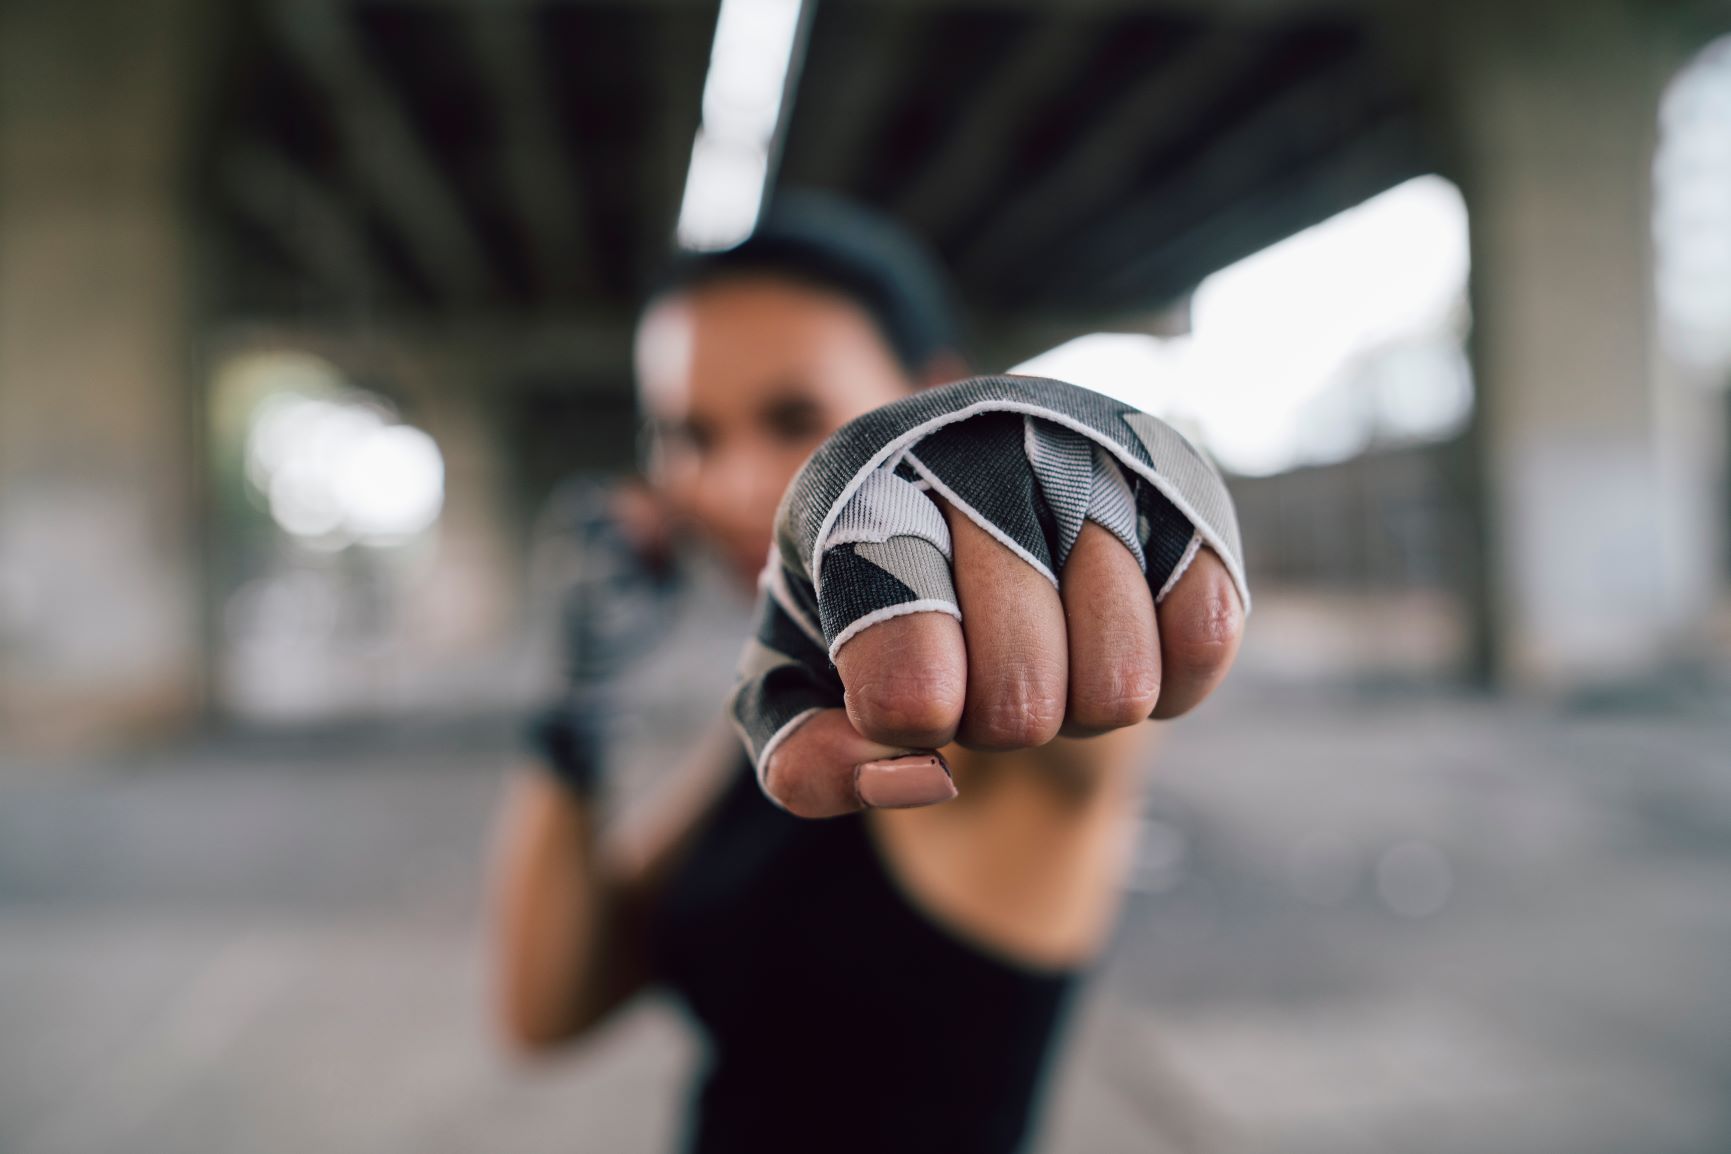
(839, 1016)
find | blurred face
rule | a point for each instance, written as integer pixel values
(741, 380)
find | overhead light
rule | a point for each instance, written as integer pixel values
(749, 65)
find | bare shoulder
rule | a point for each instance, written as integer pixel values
(1030, 857)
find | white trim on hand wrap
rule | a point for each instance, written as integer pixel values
(1205, 533)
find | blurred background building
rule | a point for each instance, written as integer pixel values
(305, 305)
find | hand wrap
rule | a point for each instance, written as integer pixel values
(858, 540)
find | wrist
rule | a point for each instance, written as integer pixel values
(568, 739)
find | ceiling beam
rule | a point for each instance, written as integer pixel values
(1386, 154)
(588, 353)
(1301, 122)
(975, 155)
(312, 222)
(666, 159)
(1111, 150)
(837, 114)
(546, 197)
(381, 148)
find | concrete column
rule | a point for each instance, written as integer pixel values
(99, 450)
(1599, 465)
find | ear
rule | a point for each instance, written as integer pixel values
(942, 368)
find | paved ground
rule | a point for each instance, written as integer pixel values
(1359, 924)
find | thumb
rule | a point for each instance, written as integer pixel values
(824, 768)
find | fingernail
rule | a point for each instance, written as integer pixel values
(904, 782)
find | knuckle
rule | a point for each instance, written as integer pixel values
(907, 704)
(1207, 635)
(1117, 696)
(1018, 715)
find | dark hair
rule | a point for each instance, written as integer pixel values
(847, 249)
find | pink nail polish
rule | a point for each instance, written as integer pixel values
(904, 782)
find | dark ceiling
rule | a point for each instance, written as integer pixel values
(526, 159)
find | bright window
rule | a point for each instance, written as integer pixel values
(1345, 336)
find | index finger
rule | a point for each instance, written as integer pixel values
(904, 680)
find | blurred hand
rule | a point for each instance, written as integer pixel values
(604, 552)
(610, 558)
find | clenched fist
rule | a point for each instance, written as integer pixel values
(994, 562)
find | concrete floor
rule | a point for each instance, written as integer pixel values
(1358, 924)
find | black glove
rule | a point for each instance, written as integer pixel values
(616, 596)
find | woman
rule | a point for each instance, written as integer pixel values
(892, 977)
